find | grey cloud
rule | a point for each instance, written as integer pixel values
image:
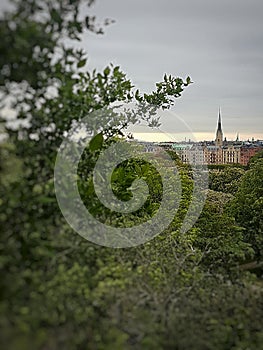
(218, 43)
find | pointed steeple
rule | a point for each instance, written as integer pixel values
(219, 132)
(219, 125)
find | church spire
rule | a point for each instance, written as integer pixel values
(219, 132)
(219, 125)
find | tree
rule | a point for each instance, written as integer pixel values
(247, 206)
(225, 180)
(57, 287)
(220, 237)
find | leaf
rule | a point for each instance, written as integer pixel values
(106, 71)
(116, 70)
(82, 63)
(96, 142)
(188, 80)
(137, 96)
(44, 199)
(55, 16)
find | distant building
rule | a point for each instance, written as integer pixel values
(183, 151)
(212, 154)
(219, 151)
(231, 154)
(150, 147)
(196, 154)
(248, 151)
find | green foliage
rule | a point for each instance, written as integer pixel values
(220, 238)
(255, 158)
(122, 180)
(204, 317)
(10, 165)
(247, 206)
(225, 166)
(178, 291)
(226, 180)
(96, 143)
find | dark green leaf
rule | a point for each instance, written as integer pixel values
(82, 63)
(96, 142)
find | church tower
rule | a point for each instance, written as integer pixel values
(219, 132)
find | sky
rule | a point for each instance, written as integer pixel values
(219, 44)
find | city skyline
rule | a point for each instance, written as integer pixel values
(216, 152)
(165, 135)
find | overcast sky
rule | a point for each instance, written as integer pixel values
(218, 43)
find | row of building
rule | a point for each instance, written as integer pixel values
(207, 153)
(219, 151)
